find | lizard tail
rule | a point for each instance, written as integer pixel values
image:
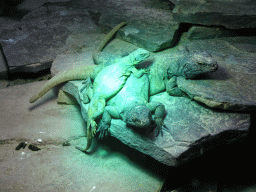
(104, 41)
(89, 140)
(77, 73)
(89, 143)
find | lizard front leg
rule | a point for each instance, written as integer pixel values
(172, 88)
(160, 112)
(159, 119)
(86, 92)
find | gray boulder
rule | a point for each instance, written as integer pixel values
(32, 44)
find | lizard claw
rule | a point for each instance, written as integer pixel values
(160, 124)
(93, 125)
(103, 130)
(159, 131)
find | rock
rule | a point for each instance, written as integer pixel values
(3, 66)
(204, 32)
(148, 36)
(186, 121)
(243, 43)
(29, 49)
(157, 13)
(151, 40)
(150, 25)
(30, 5)
(80, 47)
(66, 98)
(232, 14)
(232, 86)
(32, 44)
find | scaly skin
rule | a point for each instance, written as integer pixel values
(78, 73)
(166, 69)
(109, 81)
(131, 104)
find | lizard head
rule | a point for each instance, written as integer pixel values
(139, 55)
(197, 63)
(139, 116)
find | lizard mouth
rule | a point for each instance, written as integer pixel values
(142, 123)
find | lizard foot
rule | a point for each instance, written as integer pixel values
(103, 129)
(159, 125)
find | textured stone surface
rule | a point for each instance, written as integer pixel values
(186, 122)
(204, 32)
(232, 14)
(32, 44)
(149, 37)
(58, 167)
(3, 66)
(150, 24)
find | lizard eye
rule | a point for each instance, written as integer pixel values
(134, 118)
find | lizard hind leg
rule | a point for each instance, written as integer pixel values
(104, 125)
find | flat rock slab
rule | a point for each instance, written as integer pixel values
(231, 14)
(148, 36)
(35, 46)
(186, 122)
(232, 86)
(32, 44)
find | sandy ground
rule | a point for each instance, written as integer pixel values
(111, 166)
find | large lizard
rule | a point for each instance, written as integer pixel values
(108, 82)
(131, 104)
(81, 72)
(168, 66)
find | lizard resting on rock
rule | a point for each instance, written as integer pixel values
(108, 82)
(167, 67)
(131, 104)
(81, 72)
(163, 74)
